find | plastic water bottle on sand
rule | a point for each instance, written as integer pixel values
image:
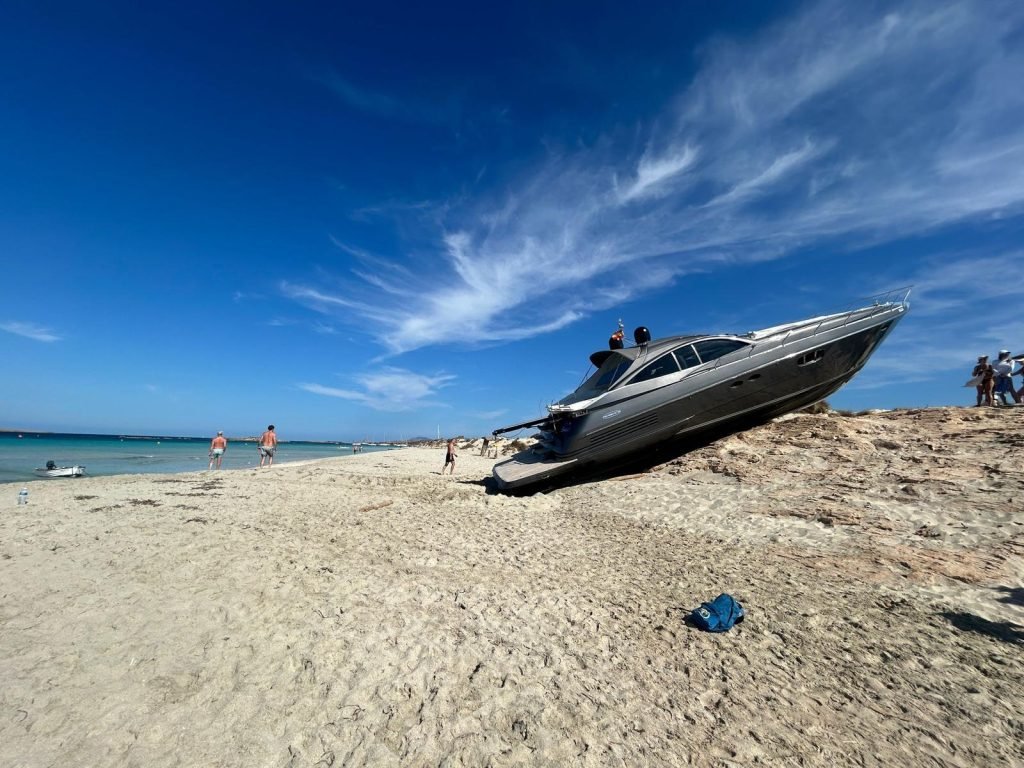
(23, 496)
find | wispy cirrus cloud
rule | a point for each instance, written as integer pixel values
(866, 122)
(654, 174)
(387, 105)
(388, 389)
(490, 415)
(29, 331)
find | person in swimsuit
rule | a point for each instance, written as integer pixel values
(987, 373)
(450, 457)
(218, 445)
(268, 446)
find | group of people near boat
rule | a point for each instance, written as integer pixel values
(994, 382)
(267, 447)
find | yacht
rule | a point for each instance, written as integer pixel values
(658, 391)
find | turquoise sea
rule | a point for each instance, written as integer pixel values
(21, 453)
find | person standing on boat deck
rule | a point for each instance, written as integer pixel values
(449, 457)
(218, 445)
(268, 446)
(987, 374)
(1003, 369)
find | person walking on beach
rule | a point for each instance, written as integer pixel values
(449, 457)
(985, 386)
(218, 445)
(268, 446)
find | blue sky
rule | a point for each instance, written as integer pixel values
(385, 221)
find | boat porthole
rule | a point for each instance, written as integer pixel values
(736, 384)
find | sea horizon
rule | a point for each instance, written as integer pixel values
(22, 452)
(26, 433)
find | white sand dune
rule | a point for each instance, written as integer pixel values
(368, 611)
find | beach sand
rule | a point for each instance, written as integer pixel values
(368, 611)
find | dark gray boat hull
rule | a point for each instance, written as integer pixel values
(770, 379)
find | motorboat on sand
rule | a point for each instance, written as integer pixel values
(662, 390)
(52, 470)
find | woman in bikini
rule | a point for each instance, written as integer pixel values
(987, 385)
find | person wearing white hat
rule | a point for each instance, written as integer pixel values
(218, 445)
(1004, 384)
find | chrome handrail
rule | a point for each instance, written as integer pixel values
(878, 302)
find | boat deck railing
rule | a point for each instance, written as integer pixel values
(855, 310)
(859, 309)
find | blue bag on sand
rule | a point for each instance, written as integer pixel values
(719, 615)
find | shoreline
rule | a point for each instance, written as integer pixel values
(112, 459)
(371, 611)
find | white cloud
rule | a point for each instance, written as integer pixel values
(29, 331)
(491, 415)
(652, 173)
(389, 389)
(315, 298)
(847, 120)
(778, 169)
(411, 109)
(344, 394)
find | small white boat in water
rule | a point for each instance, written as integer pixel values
(52, 470)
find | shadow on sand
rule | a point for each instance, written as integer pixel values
(641, 461)
(1011, 595)
(1006, 631)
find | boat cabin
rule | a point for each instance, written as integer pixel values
(619, 367)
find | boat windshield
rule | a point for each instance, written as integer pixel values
(611, 371)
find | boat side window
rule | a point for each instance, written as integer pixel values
(607, 374)
(687, 357)
(712, 349)
(663, 366)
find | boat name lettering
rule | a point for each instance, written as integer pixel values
(611, 415)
